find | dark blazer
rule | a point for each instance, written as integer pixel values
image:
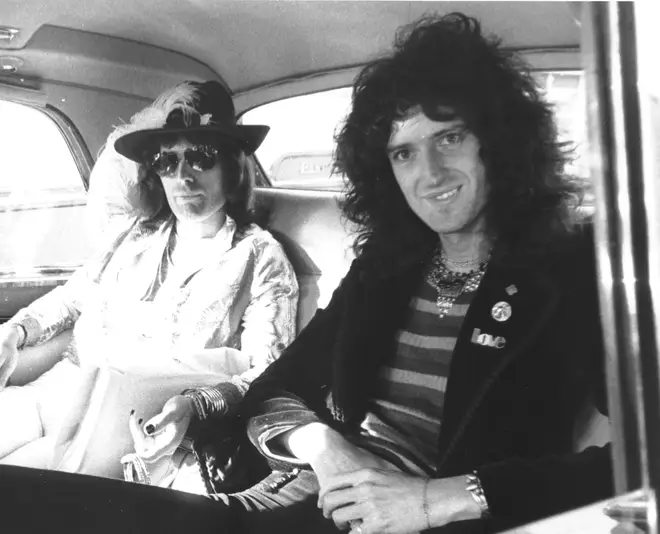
(510, 412)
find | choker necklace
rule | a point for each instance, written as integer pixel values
(451, 284)
(461, 264)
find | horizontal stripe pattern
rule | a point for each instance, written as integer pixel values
(406, 413)
(383, 440)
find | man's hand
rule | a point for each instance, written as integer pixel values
(163, 433)
(9, 339)
(388, 502)
(378, 501)
(329, 453)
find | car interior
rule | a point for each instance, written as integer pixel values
(70, 71)
(90, 69)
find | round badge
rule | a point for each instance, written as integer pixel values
(501, 311)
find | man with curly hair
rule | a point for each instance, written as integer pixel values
(444, 385)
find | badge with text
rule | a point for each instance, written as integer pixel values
(487, 340)
(501, 311)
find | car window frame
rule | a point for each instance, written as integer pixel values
(51, 275)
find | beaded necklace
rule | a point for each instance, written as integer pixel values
(452, 284)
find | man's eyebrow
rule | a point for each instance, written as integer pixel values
(459, 125)
(393, 148)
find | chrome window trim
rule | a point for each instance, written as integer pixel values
(74, 140)
(625, 253)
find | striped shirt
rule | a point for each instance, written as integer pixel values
(406, 413)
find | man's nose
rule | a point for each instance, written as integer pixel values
(182, 171)
(434, 165)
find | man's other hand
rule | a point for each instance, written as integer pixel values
(374, 501)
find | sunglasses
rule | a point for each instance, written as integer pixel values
(198, 158)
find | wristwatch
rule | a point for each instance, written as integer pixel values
(473, 485)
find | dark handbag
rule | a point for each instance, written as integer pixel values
(227, 460)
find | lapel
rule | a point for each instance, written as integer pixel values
(135, 262)
(486, 346)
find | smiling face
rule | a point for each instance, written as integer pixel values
(194, 184)
(439, 170)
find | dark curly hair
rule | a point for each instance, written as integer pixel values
(447, 61)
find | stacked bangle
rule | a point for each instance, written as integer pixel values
(135, 470)
(22, 335)
(473, 485)
(207, 401)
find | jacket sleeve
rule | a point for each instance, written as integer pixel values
(53, 313)
(293, 391)
(520, 491)
(269, 321)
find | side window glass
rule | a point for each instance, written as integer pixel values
(297, 153)
(42, 195)
(566, 91)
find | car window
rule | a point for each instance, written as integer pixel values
(41, 195)
(566, 90)
(297, 153)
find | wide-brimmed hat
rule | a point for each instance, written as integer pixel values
(189, 108)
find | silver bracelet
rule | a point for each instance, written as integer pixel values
(198, 403)
(425, 503)
(207, 400)
(22, 336)
(473, 485)
(215, 401)
(135, 470)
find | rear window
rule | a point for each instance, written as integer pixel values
(298, 151)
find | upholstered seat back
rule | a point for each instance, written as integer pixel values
(316, 239)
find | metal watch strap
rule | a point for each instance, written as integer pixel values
(473, 485)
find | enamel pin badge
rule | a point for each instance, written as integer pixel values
(501, 311)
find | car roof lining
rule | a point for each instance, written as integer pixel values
(246, 44)
(99, 62)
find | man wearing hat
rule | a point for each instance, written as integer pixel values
(189, 303)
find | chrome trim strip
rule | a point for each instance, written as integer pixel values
(624, 249)
(81, 155)
(614, 310)
(8, 34)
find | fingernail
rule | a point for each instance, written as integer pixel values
(140, 421)
(132, 412)
(150, 429)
